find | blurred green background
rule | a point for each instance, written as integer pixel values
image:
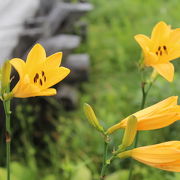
(73, 149)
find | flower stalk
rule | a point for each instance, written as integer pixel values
(6, 104)
(105, 153)
(143, 102)
(5, 96)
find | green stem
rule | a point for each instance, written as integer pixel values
(104, 165)
(6, 104)
(144, 96)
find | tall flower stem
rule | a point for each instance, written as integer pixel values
(143, 102)
(107, 161)
(104, 165)
(6, 104)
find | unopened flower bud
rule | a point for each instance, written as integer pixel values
(92, 117)
(5, 76)
(130, 132)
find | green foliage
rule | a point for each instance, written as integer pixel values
(19, 172)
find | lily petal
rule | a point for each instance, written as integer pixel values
(157, 116)
(46, 92)
(164, 156)
(166, 70)
(160, 32)
(36, 56)
(55, 76)
(143, 41)
(54, 60)
(19, 65)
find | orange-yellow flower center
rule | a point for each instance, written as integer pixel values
(161, 50)
(40, 78)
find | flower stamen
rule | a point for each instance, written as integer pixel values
(40, 81)
(36, 77)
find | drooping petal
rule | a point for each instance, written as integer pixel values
(166, 70)
(19, 65)
(36, 56)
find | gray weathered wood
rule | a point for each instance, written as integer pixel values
(63, 15)
(79, 64)
(67, 96)
(64, 43)
(27, 38)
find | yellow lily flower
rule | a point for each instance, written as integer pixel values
(157, 116)
(164, 156)
(38, 73)
(162, 47)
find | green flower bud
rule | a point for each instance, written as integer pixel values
(130, 132)
(92, 117)
(5, 76)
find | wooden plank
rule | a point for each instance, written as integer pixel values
(63, 15)
(79, 64)
(67, 96)
(63, 42)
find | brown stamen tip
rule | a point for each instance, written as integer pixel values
(157, 53)
(40, 81)
(159, 48)
(43, 73)
(160, 53)
(36, 77)
(44, 78)
(165, 48)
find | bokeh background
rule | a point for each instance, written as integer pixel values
(52, 139)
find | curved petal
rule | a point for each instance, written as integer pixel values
(53, 76)
(46, 92)
(150, 58)
(160, 32)
(171, 166)
(158, 121)
(53, 60)
(174, 36)
(164, 156)
(36, 56)
(153, 117)
(158, 153)
(174, 52)
(143, 41)
(166, 103)
(19, 65)
(166, 70)
(24, 88)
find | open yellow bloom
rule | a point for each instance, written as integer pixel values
(164, 156)
(38, 73)
(157, 116)
(162, 47)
